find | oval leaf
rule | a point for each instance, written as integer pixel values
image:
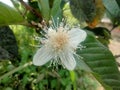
(101, 61)
(45, 9)
(113, 10)
(9, 15)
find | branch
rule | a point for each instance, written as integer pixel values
(28, 7)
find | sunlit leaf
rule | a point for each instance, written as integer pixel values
(56, 10)
(45, 9)
(9, 15)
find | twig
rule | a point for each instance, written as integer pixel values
(28, 7)
(117, 56)
(15, 70)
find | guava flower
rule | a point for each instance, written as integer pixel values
(59, 47)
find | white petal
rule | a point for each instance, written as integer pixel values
(42, 56)
(68, 60)
(77, 36)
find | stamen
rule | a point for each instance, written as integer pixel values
(54, 63)
(81, 47)
(54, 26)
(57, 22)
(78, 56)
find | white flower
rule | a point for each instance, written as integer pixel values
(59, 47)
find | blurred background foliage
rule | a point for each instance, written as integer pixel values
(21, 32)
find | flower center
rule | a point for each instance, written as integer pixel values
(59, 39)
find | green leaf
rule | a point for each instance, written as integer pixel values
(56, 10)
(83, 10)
(112, 7)
(9, 50)
(9, 15)
(113, 10)
(68, 15)
(45, 9)
(118, 2)
(103, 34)
(100, 60)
